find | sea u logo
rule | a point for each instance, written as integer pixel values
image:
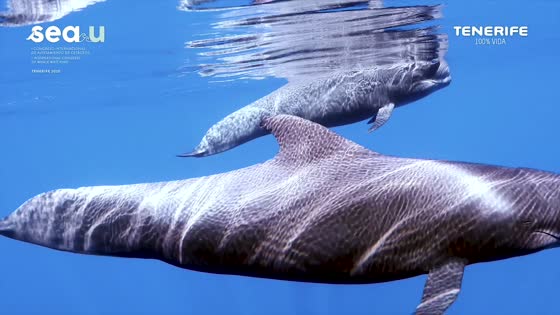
(70, 34)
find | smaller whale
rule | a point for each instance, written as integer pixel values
(338, 99)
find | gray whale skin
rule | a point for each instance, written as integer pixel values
(337, 99)
(324, 209)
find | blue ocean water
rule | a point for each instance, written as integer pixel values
(121, 114)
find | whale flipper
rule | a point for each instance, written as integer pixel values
(381, 117)
(442, 288)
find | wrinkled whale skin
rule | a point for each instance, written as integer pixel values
(323, 210)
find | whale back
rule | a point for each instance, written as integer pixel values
(301, 142)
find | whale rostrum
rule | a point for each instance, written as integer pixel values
(324, 209)
(333, 100)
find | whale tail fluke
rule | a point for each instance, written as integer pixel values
(194, 153)
(6, 228)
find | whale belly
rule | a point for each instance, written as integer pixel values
(302, 244)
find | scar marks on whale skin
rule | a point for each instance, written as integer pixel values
(373, 250)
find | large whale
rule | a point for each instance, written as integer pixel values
(334, 100)
(324, 209)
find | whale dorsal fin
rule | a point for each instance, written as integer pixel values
(305, 141)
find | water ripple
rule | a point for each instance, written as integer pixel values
(26, 12)
(294, 38)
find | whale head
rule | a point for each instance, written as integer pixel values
(540, 209)
(418, 80)
(237, 128)
(530, 217)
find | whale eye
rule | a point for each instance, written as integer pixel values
(432, 69)
(425, 70)
(540, 238)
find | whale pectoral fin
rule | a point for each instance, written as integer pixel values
(381, 116)
(442, 288)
